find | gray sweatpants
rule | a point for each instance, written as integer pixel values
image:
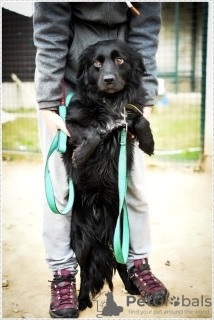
(56, 227)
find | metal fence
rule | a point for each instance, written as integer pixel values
(178, 116)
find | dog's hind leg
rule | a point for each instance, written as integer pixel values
(129, 286)
(84, 299)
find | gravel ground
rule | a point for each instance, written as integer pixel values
(181, 224)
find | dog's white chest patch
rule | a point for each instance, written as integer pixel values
(113, 124)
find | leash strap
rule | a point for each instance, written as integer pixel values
(59, 144)
(134, 108)
(121, 244)
(62, 136)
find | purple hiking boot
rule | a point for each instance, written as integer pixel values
(150, 288)
(64, 302)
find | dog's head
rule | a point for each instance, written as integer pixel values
(109, 66)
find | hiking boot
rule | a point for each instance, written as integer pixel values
(64, 302)
(150, 288)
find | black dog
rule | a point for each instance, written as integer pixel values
(109, 78)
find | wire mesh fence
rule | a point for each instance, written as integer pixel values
(19, 128)
(178, 117)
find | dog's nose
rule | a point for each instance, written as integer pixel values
(108, 79)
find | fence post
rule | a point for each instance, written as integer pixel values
(204, 74)
(208, 130)
(176, 44)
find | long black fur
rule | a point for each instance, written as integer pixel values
(109, 77)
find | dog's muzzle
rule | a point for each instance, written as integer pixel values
(110, 83)
(109, 79)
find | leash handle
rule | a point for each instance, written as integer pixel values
(59, 144)
(121, 246)
(48, 184)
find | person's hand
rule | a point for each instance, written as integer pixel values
(54, 122)
(147, 112)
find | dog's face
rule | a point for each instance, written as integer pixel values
(109, 65)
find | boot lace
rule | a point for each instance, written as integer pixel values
(148, 278)
(66, 292)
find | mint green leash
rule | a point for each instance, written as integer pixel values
(59, 144)
(121, 244)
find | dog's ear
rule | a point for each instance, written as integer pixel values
(82, 74)
(139, 67)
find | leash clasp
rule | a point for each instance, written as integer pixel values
(124, 115)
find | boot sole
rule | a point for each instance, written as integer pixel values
(53, 315)
(159, 298)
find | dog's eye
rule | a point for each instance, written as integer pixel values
(97, 64)
(119, 60)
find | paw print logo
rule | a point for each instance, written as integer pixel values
(175, 301)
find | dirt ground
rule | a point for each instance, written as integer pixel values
(181, 225)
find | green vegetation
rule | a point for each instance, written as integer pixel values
(186, 156)
(21, 110)
(20, 135)
(176, 128)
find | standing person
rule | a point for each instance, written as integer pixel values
(62, 31)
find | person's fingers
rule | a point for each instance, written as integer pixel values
(54, 122)
(61, 125)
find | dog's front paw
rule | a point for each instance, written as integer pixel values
(77, 160)
(147, 145)
(80, 156)
(144, 136)
(84, 303)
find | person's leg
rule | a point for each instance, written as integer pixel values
(150, 287)
(138, 211)
(56, 227)
(56, 235)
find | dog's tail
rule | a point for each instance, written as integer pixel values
(101, 268)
